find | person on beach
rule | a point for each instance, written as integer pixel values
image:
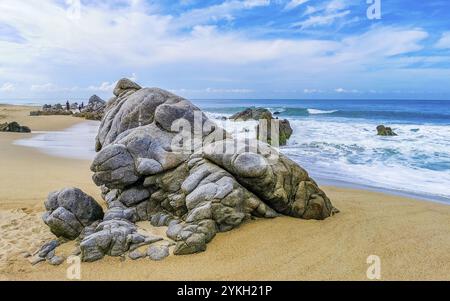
(67, 106)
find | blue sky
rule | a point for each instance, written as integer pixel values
(301, 49)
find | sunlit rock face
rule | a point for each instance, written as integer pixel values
(160, 159)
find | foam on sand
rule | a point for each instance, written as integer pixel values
(76, 142)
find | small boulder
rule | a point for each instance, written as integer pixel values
(385, 131)
(125, 85)
(135, 255)
(285, 129)
(252, 114)
(158, 253)
(69, 211)
(14, 127)
(56, 260)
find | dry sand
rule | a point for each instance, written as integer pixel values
(411, 237)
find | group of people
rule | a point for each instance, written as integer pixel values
(80, 107)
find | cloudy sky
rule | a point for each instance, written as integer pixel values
(226, 48)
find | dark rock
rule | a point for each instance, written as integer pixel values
(69, 211)
(252, 114)
(14, 127)
(265, 135)
(385, 131)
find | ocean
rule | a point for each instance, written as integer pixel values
(334, 140)
(337, 142)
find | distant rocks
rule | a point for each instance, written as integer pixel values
(385, 131)
(94, 110)
(14, 127)
(265, 134)
(49, 110)
(252, 114)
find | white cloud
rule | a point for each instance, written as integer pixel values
(325, 13)
(294, 4)
(109, 86)
(214, 90)
(7, 87)
(222, 11)
(312, 91)
(342, 90)
(106, 42)
(48, 87)
(103, 87)
(321, 20)
(444, 42)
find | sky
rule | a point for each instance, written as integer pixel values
(228, 49)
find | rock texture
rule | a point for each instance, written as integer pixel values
(264, 131)
(195, 189)
(69, 211)
(267, 121)
(385, 131)
(252, 114)
(14, 127)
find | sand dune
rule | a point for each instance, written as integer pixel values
(410, 237)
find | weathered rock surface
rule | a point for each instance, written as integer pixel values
(69, 211)
(252, 114)
(14, 127)
(267, 121)
(264, 131)
(158, 253)
(195, 189)
(385, 131)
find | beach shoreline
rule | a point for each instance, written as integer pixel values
(410, 236)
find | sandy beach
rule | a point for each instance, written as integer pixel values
(411, 237)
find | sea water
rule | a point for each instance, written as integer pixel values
(334, 140)
(337, 142)
(76, 142)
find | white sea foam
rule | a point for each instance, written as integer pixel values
(416, 161)
(77, 142)
(318, 112)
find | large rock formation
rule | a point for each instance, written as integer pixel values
(161, 160)
(14, 127)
